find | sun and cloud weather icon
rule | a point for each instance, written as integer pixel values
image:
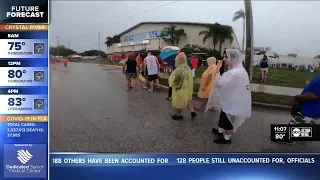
(38, 76)
(38, 104)
(24, 156)
(38, 48)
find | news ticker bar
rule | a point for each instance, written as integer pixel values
(184, 166)
(285, 132)
(83, 159)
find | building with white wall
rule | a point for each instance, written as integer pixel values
(146, 36)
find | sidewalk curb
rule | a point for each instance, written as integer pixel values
(274, 106)
(112, 66)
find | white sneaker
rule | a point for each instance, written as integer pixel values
(308, 120)
(144, 87)
(150, 90)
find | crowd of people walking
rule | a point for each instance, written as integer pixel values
(229, 92)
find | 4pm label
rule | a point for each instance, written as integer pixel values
(23, 76)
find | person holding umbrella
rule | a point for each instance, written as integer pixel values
(181, 81)
(169, 58)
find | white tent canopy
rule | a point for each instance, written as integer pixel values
(271, 54)
(172, 48)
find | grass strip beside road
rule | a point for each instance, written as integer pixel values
(278, 77)
(256, 96)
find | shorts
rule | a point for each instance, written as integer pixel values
(193, 72)
(264, 70)
(152, 77)
(224, 122)
(131, 75)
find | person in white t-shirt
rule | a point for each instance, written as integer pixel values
(152, 69)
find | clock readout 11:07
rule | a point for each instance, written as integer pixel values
(280, 128)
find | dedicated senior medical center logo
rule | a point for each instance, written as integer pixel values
(24, 156)
(25, 160)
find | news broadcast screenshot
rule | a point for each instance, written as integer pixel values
(159, 90)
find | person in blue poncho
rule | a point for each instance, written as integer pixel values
(307, 105)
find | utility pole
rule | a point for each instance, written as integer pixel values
(99, 48)
(69, 42)
(249, 38)
(99, 44)
(295, 57)
(58, 44)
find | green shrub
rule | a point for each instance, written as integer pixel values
(190, 49)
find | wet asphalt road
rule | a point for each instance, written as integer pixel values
(90, 111)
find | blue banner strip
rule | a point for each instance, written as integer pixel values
(183, 166)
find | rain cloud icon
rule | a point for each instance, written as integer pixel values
(38, 103)
(38, 48)
(38, 76)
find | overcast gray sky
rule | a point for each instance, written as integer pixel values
(283, 25)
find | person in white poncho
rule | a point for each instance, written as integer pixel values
(213, 101)
(233, 89)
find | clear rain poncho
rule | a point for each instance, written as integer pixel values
(213, 101)
(233, 89)
(181, 82)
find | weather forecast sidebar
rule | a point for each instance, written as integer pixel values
(24, 89)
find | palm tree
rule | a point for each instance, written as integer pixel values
(116, 38)
(172, 35)
(178, 34)
(249, 37)
(224, 33)
(211, 32)
(292, 55)
(241, 15)
(317, 57)
(109, 41)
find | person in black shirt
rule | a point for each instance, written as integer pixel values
(264, 65)
(169, 91)
(223, 62)
(130, 70)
